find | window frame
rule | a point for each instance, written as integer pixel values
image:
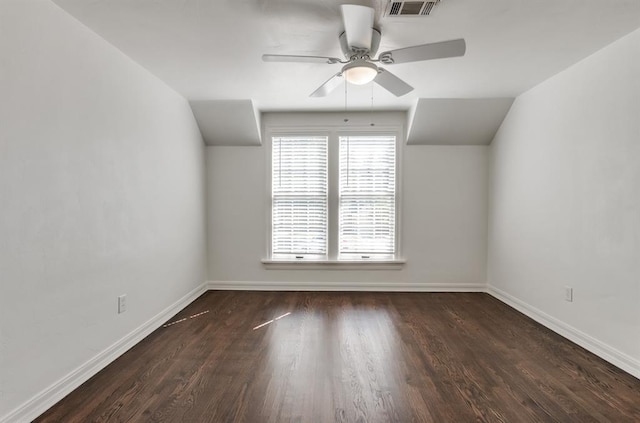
(332, 259)
(373, 256)
(310, 256)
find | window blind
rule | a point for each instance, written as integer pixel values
(299, 196)
(367, 204)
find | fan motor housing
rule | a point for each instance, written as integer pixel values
(349, 52)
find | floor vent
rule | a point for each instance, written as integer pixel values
(410, 8)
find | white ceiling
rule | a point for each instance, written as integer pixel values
(456, 121)
(227, 122)
(211, 49)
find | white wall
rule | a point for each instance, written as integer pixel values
(102, 194)
(565, 204)
(444, 217)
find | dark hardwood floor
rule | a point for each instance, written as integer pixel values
(353, 357)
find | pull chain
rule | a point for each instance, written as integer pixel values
(346, 84)
(371, 111)
(345, 121)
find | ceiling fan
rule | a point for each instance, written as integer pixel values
(359, 43)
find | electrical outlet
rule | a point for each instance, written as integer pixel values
(568, 293)
(122, 303)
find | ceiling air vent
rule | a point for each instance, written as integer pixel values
(410, 8)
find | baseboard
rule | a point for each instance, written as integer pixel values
(54, 393)
(344, 286)
(599, 348)
(51, 395)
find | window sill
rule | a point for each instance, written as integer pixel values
(395, 264)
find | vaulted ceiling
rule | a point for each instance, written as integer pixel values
(210, 50)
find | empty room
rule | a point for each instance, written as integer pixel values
(319, 211)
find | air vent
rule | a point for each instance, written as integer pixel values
(410, 8)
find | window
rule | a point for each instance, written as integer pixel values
(334, 197)
(367, 196)
(299, 197)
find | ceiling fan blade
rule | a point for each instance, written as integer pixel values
(441, 50)
(330, 85)
(304, 59)
(358, 25)
(392, 83)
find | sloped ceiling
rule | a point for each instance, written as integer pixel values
(456, 121)
(210, 50)
(227, 122)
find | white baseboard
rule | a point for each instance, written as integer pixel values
(344, 286)
(599, 348)
(54, 393)
(51, 395)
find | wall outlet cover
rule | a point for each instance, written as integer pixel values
(568, 293)
(122, 303)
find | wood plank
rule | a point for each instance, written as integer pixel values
(353, 357)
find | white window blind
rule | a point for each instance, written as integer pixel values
(299, 196)
(367, 204)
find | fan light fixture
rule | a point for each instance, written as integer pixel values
(360, 72)
(359, 43)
